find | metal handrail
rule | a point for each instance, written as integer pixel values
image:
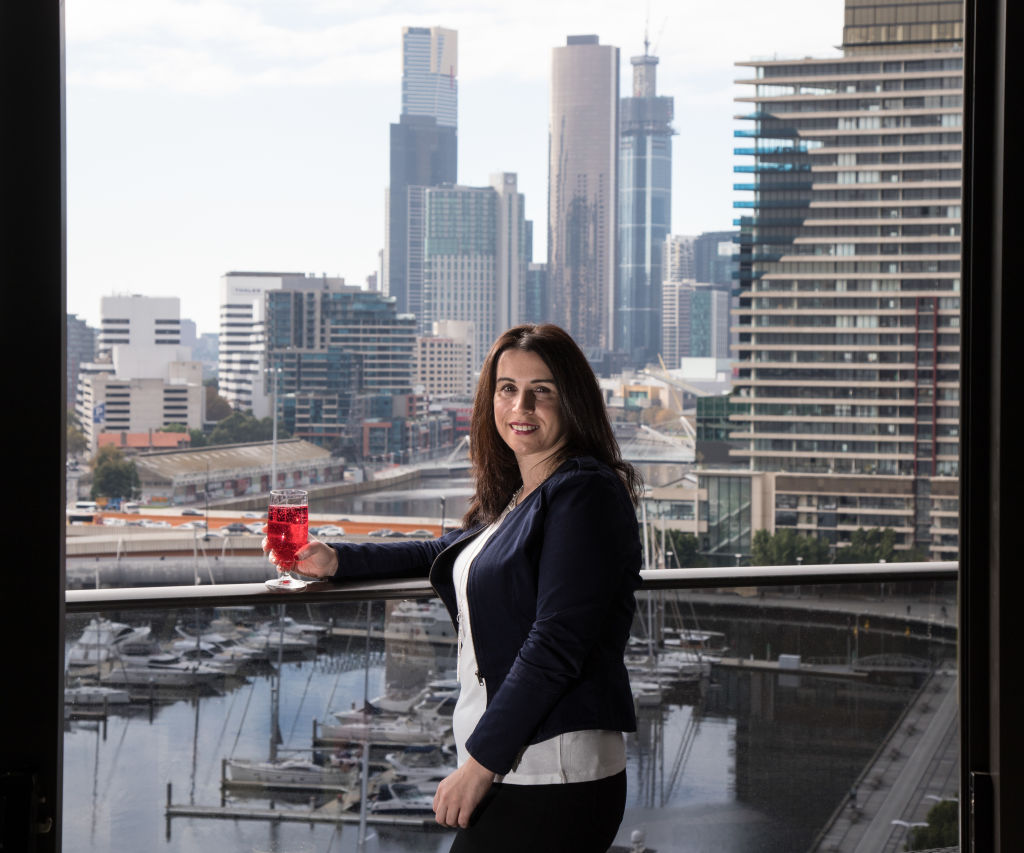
(324, 592)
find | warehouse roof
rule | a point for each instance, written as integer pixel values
(223, 458)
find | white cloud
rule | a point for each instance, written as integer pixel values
(184, 44)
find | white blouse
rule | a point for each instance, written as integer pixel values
(582, 756)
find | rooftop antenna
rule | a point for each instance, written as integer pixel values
(647, 28)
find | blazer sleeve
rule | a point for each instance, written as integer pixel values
(386, 560)
(589, 565)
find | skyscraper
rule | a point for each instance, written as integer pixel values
(473, 259)
(645, 212)
(424, 146)
(429, 66)
(850, 273)
(677, 284)
(582, 189)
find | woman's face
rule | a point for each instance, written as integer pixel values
(527, 412)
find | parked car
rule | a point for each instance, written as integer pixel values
(330, 530)
(190, 511)
(254, 515)
(257, 527)
(235, 527)
(420, 534)
(152, 522)
(384, 531)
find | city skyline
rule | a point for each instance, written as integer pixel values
(205, 139)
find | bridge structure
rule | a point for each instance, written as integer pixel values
(648, 445)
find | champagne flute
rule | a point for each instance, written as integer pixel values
(287, 534)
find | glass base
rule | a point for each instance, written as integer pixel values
(285, 583)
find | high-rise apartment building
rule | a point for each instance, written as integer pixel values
(460, 255)
(514, 251)
(330, 346)
(241, 365)
(709, 321)
(714, 257)
(677, 286)
(849, 322)
(469, 256)
(583, 190)
(645, 212)
(444, 362)
(80, 349)
(423, 147)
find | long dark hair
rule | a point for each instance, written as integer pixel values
(582, 409)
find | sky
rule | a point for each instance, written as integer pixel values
(207, 136)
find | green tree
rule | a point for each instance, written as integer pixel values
(786, 547)
(684, 547)
(874, 545)
(217, 408)
(77, 443)
(239, 427)
(942, 830)
(113, 476)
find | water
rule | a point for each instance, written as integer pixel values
(745, 763)
(420, 501)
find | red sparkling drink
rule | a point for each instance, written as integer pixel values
(287, 532)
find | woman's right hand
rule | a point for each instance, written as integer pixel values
(316, 560)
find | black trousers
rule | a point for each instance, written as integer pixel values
(581, 817)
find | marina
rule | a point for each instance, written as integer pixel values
(693, 764)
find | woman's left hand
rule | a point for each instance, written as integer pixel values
(460, 793)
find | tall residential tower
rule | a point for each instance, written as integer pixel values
(850, 277)
(582, 189)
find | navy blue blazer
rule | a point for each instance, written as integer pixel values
(551, 598)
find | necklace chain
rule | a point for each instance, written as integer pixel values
(512, 503)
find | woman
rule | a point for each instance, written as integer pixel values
(539, 582)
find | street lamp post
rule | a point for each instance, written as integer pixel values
(273, 443)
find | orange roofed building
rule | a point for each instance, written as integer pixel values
(141, 442)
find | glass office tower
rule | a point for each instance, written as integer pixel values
(645, 212)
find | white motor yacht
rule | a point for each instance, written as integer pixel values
(161, 670)
(102, 640)
(401, 798)
(291, 772)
